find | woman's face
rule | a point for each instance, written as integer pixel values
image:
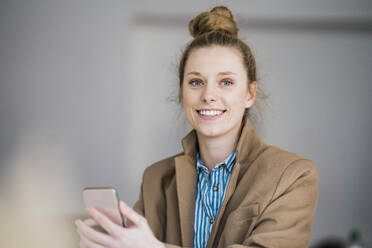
(215, 91)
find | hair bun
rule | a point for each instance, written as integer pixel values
(219, 18)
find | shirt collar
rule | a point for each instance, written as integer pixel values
(229, 162)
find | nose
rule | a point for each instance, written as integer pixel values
(209, 94)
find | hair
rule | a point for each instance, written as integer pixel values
(218, 28)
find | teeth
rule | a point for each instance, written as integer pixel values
(210, 112)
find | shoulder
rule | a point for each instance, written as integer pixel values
(279, 160)
(277, 170)
(286, 169)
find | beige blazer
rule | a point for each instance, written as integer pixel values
(270, 200)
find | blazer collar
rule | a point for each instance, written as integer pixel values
(248, 148)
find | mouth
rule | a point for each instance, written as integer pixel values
(210, 114)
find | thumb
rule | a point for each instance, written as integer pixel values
(130, 214)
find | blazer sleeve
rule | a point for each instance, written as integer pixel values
(286, 221)
(139, 208)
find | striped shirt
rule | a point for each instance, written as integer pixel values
(210, 191)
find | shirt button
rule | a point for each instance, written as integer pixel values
(211, 221)
(215, 188)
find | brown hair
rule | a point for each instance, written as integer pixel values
(218, 28)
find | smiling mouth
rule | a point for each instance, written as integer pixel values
(210, 113)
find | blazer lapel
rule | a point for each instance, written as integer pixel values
(229, 192)
(186, 179)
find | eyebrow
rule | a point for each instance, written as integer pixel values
(221, 73)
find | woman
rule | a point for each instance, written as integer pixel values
(228, 188)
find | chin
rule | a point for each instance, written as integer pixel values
(210, 131)
(217, 130)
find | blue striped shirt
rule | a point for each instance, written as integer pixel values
(210, 191)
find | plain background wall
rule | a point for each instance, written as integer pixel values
(86, 91)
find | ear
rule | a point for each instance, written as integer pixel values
(251, 94)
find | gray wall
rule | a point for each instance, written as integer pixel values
(87, 89)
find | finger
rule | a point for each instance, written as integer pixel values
(93, 235)
(104, 221)
(90, 222)
(86, 243)
(132, 215)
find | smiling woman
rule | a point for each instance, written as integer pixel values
(215, 96)
(228, 188)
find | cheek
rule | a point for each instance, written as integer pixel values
(187, 105)
(236, 102)
(188, 99)
(184, 99)
(184, 103)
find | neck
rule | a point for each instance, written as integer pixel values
(214, 150)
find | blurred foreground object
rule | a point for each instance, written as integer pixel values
(355, 239)
(38, 195)
(330, 242)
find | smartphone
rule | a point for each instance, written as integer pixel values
(106, 200)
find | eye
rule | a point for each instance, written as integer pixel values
(196, 82)
(227, 83)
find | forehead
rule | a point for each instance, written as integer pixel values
(215, 59)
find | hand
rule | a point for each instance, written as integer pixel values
(138, 235)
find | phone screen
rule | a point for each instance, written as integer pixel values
(106, 200)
